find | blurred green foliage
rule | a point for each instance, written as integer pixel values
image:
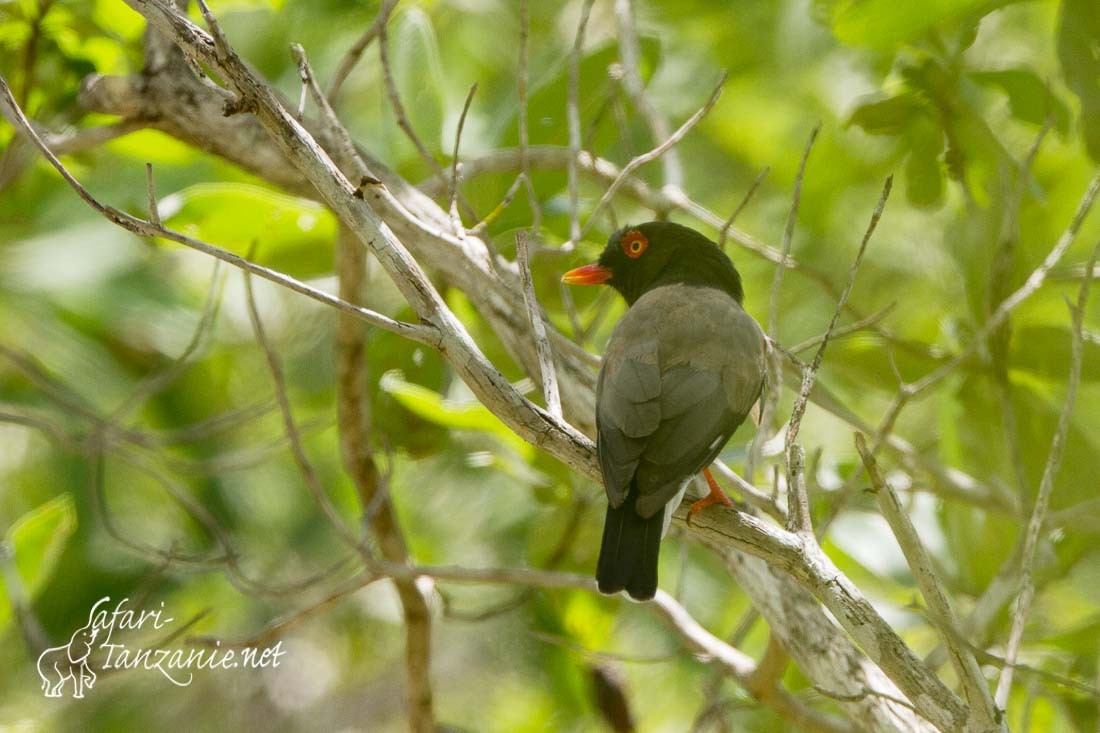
(949, 95)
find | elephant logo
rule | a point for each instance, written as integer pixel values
(60, 664)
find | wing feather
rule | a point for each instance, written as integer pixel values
(669, 397)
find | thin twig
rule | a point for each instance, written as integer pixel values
(421, 333)
(302, 93)
(983, 714)
(810, 374)
(572, 107)
(1033, 283)
(571, 311)
(606, 173)
(773, 383)
(460, 231)
(651, 155)
(1046, 488)
(395, 100)
(534, 313)
(851, 328)
(724, 232)
(158, 381)
(154, 213)
(402, 117)
(524, 134)
(309, 475)
(278, 628)
(297, 146)
(492, 216)
(751, 494)
(798, 499)
(910, 390)
(351, 58)
(360, 169)
(630, 55)
(788, 233)
(1000, 277)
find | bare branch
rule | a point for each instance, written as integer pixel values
(154, 215)
(832, 659)
(173, 371)
(815, 572)
(798, 500)
(1046, 485)
(724, 232)
(751, 494)
(357, 450)
(301, 460)
(788, 233)
(860, 325)
(424, 334)
(395, 98)
(530, 422)
(524, 133)
(651, 155)
(1033, 283)
(278, 628)
(809, 374)
(606, 173)
(630, 54)
(351, 58)
(983, 714)
(572, 110)
(774, 368)
(534, 312)
(460, 231)
(509, 195)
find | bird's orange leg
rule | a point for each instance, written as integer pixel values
(716, 496)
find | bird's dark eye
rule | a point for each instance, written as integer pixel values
(634, 243)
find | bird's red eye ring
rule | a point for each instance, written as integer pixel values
(634, 244)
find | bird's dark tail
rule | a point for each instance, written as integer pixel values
(628, 553)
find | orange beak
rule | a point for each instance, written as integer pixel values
(587, 275)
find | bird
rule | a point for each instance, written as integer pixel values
(683, 368)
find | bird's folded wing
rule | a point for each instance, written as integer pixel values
(628, 408)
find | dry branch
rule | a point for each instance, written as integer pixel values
(1046, 485)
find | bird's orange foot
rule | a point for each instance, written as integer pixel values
(716, 496)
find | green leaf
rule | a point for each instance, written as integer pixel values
(292, 233)
(924, 175)
(1079, 52)
(1029, 97)
(890, 116)
(461, 416)
(37, 539)
(885, 24)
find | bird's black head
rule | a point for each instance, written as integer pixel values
(640, 258)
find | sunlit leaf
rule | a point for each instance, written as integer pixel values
(890, 116)
(290, 233)
(468, 416)
(1078, 44)
(37, 540)
(1029, 97)
(924, 173)
(883, 24)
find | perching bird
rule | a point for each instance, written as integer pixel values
(681, 371)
